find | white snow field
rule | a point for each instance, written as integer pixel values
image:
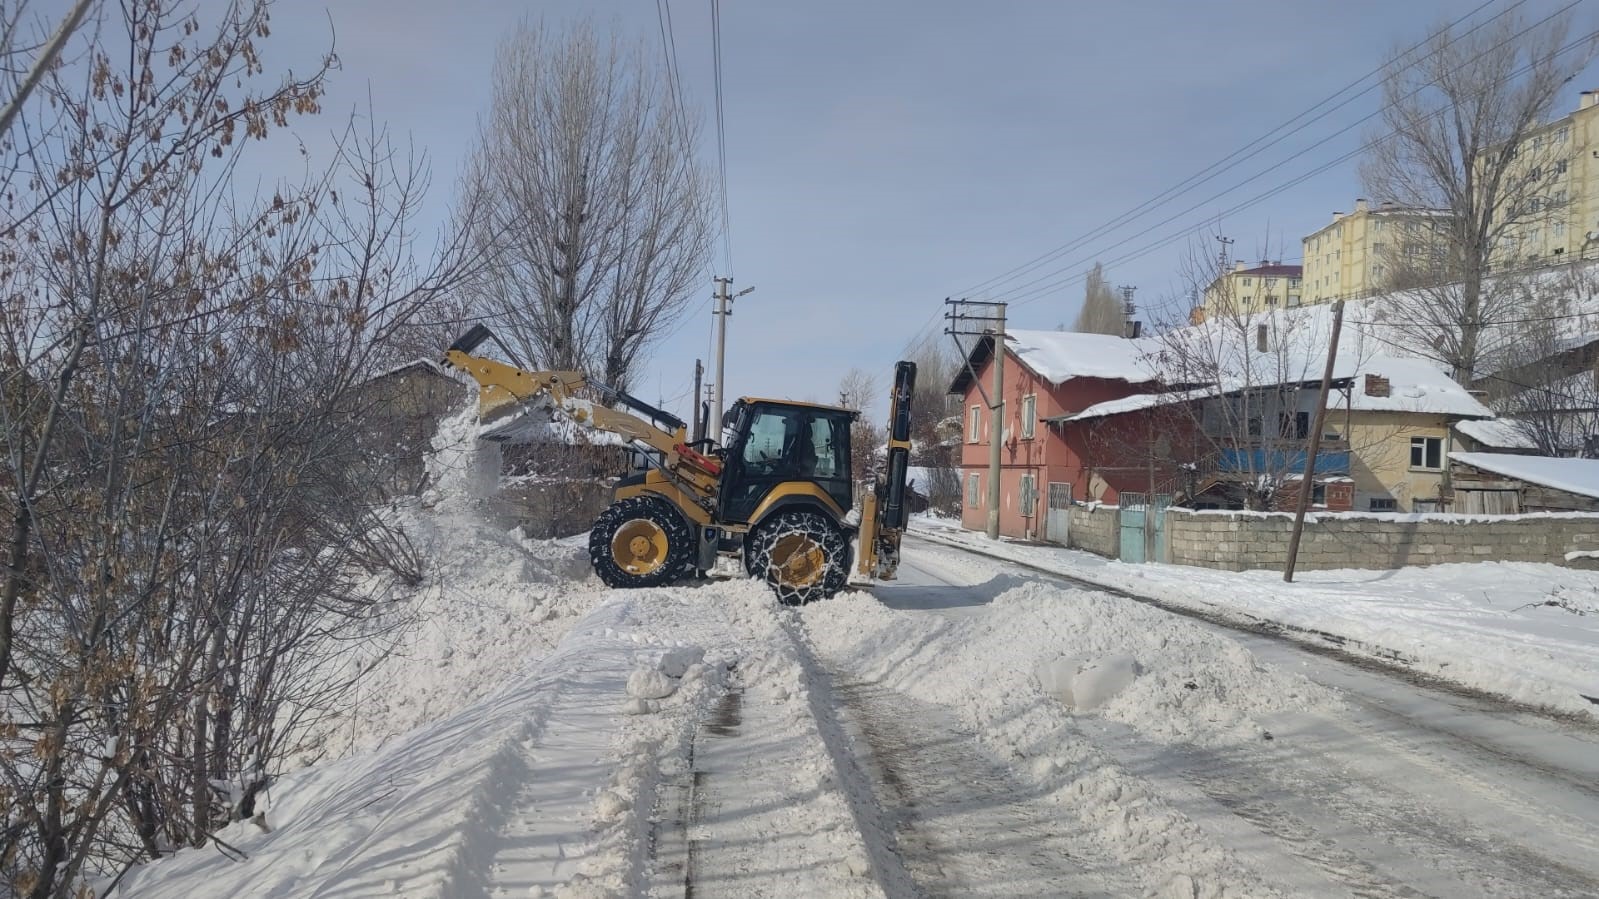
(972, 729)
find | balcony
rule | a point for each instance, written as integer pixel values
(1284, 457)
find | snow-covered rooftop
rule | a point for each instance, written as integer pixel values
(1135, 403)
(1499, 433)
(1414, 385)
(1579, 476)
(1059, 356)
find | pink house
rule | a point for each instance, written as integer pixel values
(1048, 375)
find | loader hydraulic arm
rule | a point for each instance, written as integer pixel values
(884, 513)
(504, 389)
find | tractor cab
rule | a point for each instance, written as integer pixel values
(799, 450)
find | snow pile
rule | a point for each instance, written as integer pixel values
(1486, 625)
(1088, 651)
(491, 601)
(1041, 670)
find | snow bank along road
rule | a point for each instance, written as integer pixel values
(971, 730)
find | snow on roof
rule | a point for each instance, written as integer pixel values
(1133, 404)
(1579, 476)
(1499, 433)
(1059, 356)
(1414, 385)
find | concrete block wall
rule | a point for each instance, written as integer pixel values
(1241, 541)
(1095, 528)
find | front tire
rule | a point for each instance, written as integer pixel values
(641, 541)
(802, 556)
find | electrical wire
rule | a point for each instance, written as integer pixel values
(721, 133)
(1246, 152)
(1024, 297)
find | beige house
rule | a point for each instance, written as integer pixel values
(1355, 254)
(1398, 417)
(1246, 290)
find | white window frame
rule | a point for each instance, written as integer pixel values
(1029, 415)
(1422, 443)
(974, 426)
(974, 490)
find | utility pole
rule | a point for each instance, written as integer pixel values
(1305, 485)
(1130, 327)
(992, 327)
(699, 422)
(724, 308)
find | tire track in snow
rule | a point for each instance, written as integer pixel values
(966, 826)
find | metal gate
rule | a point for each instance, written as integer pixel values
(1057, 518)
(1143, 526)
(1135, 508)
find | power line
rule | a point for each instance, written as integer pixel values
(1237, 157)
(674, 80)
(721, 132)
(1024, 296)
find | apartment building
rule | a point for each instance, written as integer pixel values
(1561, 219)
(1357, 253)
(1246, 290)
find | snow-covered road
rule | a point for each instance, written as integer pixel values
(975, 729)
(1386, 788)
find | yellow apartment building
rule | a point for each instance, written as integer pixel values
(1561, 220)
(1246, 290)
(1355, 254)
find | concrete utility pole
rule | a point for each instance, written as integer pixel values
(991, 324)
(996, 429)
(1306, 486)
(724, 308)
(699, 422)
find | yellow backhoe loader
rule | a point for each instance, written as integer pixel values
(778, 494)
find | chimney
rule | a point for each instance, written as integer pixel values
(1238, 266)
(1589, 98)
(1360, 205)
(1337, 216)
(1389, 204)
(1377, 385)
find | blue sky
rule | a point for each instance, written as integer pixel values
(885, 155)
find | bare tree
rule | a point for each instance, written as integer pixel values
(1457, 138)
(1248, 384)
(589, 202)
(858, 390)
(1546, 381)
(1102, 311)
(185, 492)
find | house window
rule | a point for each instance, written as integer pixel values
(974, 491)
(1562, 134)
(1378, 248)
(1376, 226)
(1029, 413)
(1427, 453)
(1560, 167)
(1380, 504)
(974, 430)
(1027, 494)
(1293, 299)
(1559, 229)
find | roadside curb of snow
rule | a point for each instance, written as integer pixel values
(1350, 649)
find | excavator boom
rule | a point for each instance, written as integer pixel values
(504, 390)
(884, 513)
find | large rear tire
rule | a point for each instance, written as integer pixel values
(803, 556)
(641, 541)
